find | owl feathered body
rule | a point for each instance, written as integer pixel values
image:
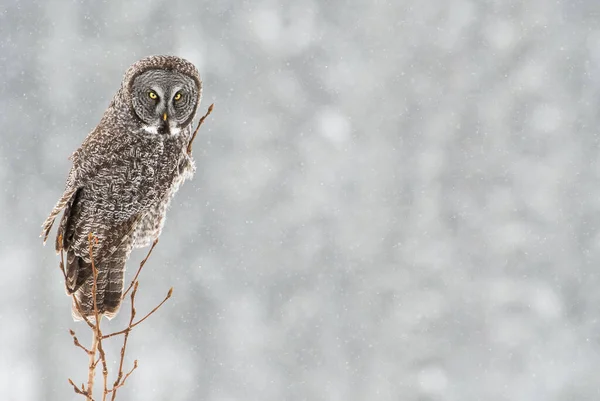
(123, 177)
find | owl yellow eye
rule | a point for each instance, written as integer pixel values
(177, 96)
(152, 95)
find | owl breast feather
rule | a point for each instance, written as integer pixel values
(136, 178)
(168, 173)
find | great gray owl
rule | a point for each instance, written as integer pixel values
(124, 176)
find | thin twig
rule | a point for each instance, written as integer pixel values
(78, 344)
(117, 382)
(114, 389)
(94, 278)
(210, 109)
(139, 270)
(80, 391)
(83, 316)
(135, 365)
(96, 335)
(142, 319)
(98, 316)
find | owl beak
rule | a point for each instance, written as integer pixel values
(164, 116)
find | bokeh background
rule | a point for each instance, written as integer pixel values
(395, 200)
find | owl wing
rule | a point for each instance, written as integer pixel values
(100, 149)
(99, 152)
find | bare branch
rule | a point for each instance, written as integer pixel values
(210, 109)
(98, 316)
(83, 316)
(142, 319)
(92, 366)
(78, 344)
(94, 322)
(80, 391)
(139, 269)
(114, 389)
(135, 284)
(135, 365)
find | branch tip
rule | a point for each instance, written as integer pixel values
(189, 147)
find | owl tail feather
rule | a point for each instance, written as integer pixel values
(109, 288)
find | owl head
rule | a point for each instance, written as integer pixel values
(163, 93)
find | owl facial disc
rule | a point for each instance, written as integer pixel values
(164, 100)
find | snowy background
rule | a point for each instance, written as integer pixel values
(394, 200)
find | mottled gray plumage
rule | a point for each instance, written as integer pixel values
(124, 176)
